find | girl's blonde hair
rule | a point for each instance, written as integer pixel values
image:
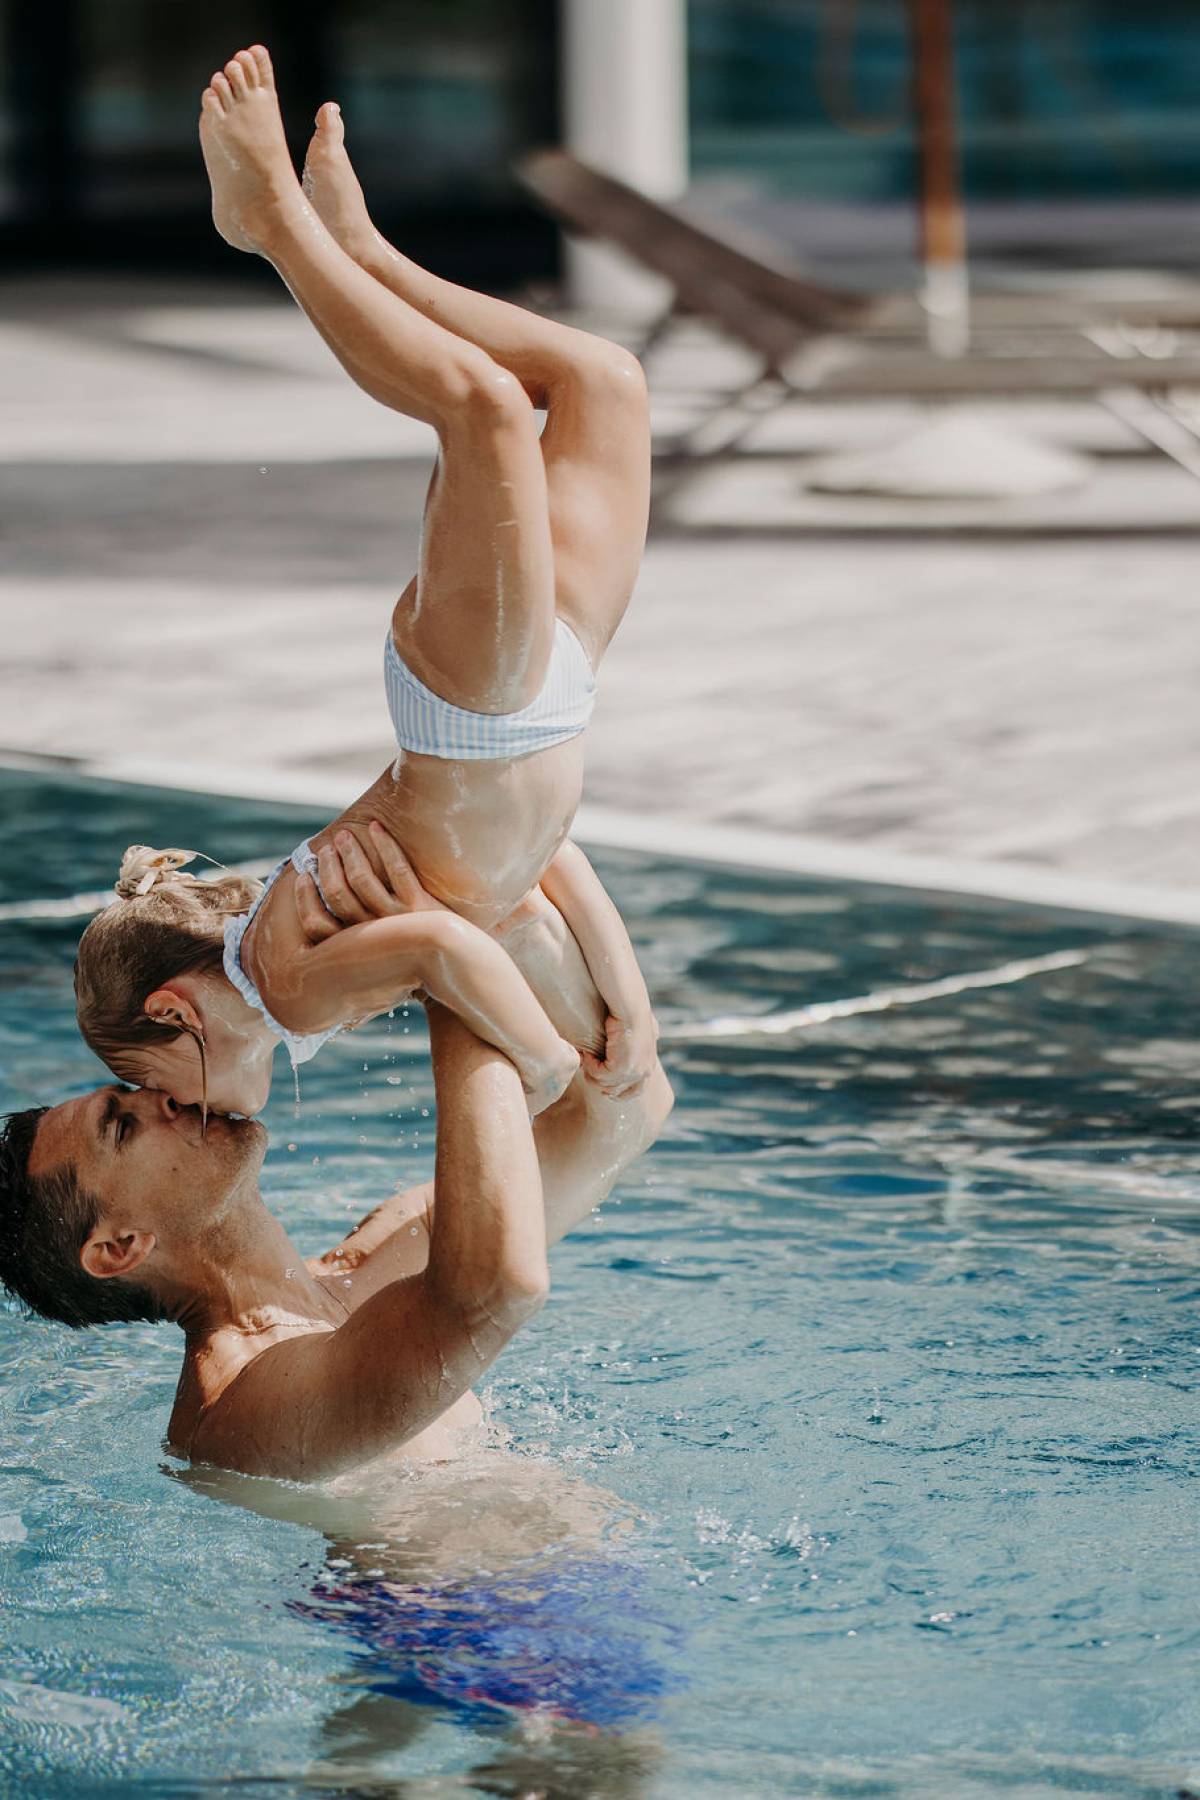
(163, 924)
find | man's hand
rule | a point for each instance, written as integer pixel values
(630, 1053)
(351, 892)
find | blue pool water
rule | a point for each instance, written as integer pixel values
(854, 1454)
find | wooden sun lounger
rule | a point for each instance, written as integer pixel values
(821, 340)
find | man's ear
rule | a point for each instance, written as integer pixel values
(106, 1254)
(172, 1006)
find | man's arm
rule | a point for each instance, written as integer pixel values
(309, 1408)
(584, 1145)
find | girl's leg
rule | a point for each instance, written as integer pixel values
(478, 624)
(596, 444)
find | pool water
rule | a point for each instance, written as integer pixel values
(891, 1345)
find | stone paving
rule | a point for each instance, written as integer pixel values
(203, 526)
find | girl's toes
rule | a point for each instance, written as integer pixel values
(210, 101)
(263, 61)
(249, 67)
(223, 90)
(236, 77)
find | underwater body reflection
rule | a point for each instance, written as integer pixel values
(497, 1586)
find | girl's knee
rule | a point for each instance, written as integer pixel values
(482, 397)
(608, 375)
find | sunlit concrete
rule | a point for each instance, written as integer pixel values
(205, 528)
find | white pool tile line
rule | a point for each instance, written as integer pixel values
(803, 1018)
(736, 846)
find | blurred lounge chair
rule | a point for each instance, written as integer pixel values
(823, 341)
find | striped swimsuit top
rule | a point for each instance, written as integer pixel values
(301, 1046)
(431, 726)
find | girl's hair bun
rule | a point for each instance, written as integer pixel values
(143, 868)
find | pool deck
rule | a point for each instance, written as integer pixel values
(204, 526)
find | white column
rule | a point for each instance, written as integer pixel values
(624, 91)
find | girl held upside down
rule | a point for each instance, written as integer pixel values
(529, 551)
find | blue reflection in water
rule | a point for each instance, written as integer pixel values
(871, 1395)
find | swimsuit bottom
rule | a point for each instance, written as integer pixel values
(573, 1640)
(429, 725)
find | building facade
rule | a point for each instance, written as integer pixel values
(803, 99)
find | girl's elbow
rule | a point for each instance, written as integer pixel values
(440, 945)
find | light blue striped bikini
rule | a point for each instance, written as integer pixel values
(301, 1046)
(430, 726)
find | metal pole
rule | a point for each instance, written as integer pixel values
(942, 217)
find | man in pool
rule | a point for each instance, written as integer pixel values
(118, 1205)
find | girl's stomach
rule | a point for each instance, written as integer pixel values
(478, 834)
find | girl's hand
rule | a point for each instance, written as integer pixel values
(630, 1053)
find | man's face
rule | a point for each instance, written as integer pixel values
(147, 1159)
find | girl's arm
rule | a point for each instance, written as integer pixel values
(631, 1031)
(365, 969)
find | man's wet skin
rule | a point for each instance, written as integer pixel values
(132, 1140)
(306, 1370)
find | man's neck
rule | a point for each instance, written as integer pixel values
(249, 1278)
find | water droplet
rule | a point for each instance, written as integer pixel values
(291, 1146)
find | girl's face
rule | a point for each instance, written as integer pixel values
(237, 1082)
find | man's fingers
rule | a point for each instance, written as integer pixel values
(399, 871)
(368, 888)
(336, 888)
(316, 922)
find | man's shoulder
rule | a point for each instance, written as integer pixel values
(232, 1390)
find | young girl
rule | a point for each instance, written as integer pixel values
(529, 552)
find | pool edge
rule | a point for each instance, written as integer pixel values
(735, 846)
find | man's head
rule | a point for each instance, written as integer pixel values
(106, 1201)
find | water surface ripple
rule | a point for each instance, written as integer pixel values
(892, 1344)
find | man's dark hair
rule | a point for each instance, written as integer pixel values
(45, 1220)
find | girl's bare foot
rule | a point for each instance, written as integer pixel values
(333, 188)
(241, 133)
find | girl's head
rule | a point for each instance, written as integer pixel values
(152, 998)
